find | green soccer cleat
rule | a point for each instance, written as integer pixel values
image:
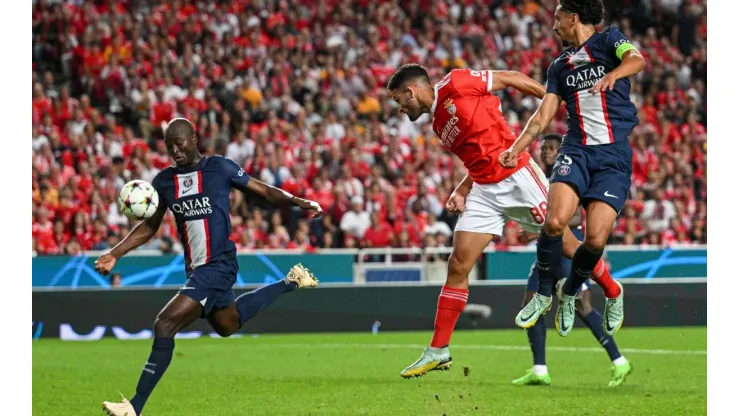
(614, 313)
(620, 373)
(432, 359)
(532, 379)
(566, 313)
(536, 307)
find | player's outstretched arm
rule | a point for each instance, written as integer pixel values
(518, 81)
(536, 125)
(280, 198)
(139, 235)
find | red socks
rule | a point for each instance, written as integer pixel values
(603, 278)
(449, 307)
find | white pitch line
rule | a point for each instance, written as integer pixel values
(486, 347)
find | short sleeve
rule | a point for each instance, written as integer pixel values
(553, 86)
(472, 82)
(237, 177)
(159, 185)
(617, 44)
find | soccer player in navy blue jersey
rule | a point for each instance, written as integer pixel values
(537, 334)
(594, 166)
(196, 189)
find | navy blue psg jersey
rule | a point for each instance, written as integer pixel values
(601, 118)
(199, 199)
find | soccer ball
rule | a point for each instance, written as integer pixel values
(138, 200)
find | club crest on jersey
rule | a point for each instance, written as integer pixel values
(450, 107)
(188, 182)
(563, 170)
(580, 58)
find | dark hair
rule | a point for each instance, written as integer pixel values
(179, 127)
(591, 12)
(407, 73)
(553, 136)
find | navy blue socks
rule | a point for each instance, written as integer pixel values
(593, 320)
(153, 371)
(549, 252)
(252, 303)
(537, 335)
(584, 262)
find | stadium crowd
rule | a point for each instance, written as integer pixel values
(294, 90)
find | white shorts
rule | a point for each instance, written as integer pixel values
(521, 197)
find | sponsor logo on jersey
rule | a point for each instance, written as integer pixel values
(193, 207)
(450, 106)
(586, 78)
(450, 132)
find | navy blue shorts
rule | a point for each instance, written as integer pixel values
(533, 281)
(210, 285)
(602, 172)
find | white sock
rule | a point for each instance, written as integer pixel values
(620, 361)
(540, 370)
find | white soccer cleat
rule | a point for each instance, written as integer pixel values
(119, 409)
(566, 312)
(614, 313)
(301, 276)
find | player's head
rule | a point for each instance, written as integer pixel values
(570, 15)
(181, 141)
(549, 151)
(411, 88)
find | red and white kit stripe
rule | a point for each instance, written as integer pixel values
(593, 116)
(456, 294)
(197, 239)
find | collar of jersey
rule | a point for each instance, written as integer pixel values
(194, 168)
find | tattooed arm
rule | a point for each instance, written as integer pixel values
(536, 125)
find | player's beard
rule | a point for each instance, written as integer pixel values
(563, 41)
(414, 114)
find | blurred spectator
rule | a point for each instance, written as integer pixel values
(658, 212)
(356, 221)
(115, 280)
(296, 95)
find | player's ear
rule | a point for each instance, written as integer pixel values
(409, 92)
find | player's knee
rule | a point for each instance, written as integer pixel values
(596, 239)
(224, 331)
(165, 326)
(555, 226)
(458, 268)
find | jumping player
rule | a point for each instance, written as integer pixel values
(594, 165)
(196, 189)
(539, 375)
(468, 120)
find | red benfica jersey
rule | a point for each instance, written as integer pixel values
(468, 120)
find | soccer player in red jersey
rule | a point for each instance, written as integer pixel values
(468, 120)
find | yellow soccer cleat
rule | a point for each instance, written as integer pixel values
(301, 276)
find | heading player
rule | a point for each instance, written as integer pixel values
(196, 189)
(594, 165)
(539, 375)
(468, 120)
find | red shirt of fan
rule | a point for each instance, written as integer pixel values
(468, 120)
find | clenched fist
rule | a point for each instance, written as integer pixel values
(456, 203)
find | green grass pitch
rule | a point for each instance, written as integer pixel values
(357, 374)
